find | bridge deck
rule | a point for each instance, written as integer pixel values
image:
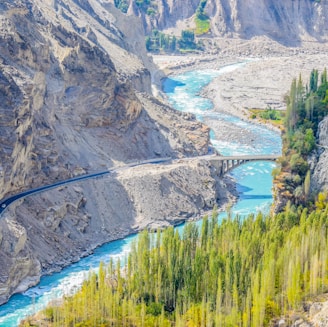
(246, 157)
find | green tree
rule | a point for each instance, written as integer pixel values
(309, 141)
(314, 80)
(324, 76)
(173, 44)
(187, 40)
(233, 273)
(298, 165)
(291, 112)
(148, 43)
(304, 112)
(123, 5)
(307, 184)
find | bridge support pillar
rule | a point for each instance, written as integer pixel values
(224, 164)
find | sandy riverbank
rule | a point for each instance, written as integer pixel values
(261, 82)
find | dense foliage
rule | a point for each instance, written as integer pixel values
(147, 6)
(201, 19)
(306, 107)
(271, 114)
(123, 5)
(233, 273)
(159, 41)
(275, 116)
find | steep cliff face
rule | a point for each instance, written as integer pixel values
(75, 97)
(166, 14)
(284, 21)
(68, 90)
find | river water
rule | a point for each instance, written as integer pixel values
(254, 183)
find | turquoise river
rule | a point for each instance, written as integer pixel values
(254, 183)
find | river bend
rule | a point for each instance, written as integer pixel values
(254, 183)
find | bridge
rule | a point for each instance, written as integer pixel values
(223, 164)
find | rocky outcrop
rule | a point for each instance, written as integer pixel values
(319, 179)
(19, 267)
(312, 314)
(284, 21)
(166, 14)
(68, 88)
(75, 97)
(47, 231)
(287, 22)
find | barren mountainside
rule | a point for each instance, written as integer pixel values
(287, 22)
(75, 98)
(319, 180)
(69, 102)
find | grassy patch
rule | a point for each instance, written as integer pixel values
(271, 116)
(202, 26)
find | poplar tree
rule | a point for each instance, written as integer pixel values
(291, 112)
(324, 76)
(307, 184)
(314, 80)
(250, 272)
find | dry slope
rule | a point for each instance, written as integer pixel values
(288, 22)
(75, 97)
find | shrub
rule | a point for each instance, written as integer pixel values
(298, 165)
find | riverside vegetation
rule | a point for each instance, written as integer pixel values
(232, 273)
(306, 107)
(236, 272)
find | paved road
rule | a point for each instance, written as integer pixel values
(6, 202)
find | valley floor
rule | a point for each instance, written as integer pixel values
(261, 83)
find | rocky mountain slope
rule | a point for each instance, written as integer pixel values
(69, 99)
(284, 21)
(45, 232)
(287, 22)
(75, 97)
(319, 181)
(167, 13)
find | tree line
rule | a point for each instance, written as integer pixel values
(234, 273)
(159, 41)
(306, 107)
